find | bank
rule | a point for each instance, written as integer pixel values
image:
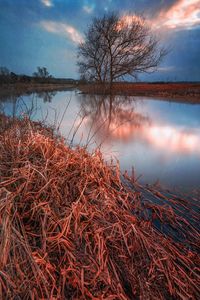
(72, 227)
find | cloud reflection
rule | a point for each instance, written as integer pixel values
(111, 115)
(173, 139)
(116, 120)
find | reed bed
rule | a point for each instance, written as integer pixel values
(181, 92)
(70, 228)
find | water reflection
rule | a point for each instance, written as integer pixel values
(12, 100)
(18, 105)
(46, 96)
(116, 118)
(160, 139)
(173, 139)
(112, 117)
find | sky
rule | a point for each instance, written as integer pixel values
(47, 32)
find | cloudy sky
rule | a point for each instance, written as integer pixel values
(46, 33)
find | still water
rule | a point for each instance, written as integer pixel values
(160, 139)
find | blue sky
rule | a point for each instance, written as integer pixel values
(46, 33)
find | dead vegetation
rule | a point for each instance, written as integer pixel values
(70, 229)
(183, 92)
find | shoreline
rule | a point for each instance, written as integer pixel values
(70, 228)
(179, 92)
(182, 91)
(18, 89)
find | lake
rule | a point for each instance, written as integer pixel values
(160, 139)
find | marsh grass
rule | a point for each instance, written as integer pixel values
(70, 228)
(173, 91)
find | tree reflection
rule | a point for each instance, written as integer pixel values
(15, 106)
(112, 116)
(116, 118)
(13, 101)
(47, 96)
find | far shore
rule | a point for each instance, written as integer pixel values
(183, 92)
(19, 89)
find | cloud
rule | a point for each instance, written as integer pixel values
(183, 14)
(47, 3)
(165, 69)
(88, 9)
(63, 29)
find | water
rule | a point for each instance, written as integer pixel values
(160, 139)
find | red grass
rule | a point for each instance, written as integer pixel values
(70, 229)
(189, 92)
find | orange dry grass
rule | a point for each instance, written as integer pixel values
(68, 230)
(189, 92)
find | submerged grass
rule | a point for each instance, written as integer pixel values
(70, 229)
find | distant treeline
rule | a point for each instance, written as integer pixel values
(14, 78)
(41, 76)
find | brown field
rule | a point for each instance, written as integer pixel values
(182, 91)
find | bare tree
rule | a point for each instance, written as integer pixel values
(42, 73)
(115, 47)
(4, 71)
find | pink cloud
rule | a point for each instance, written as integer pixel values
(47, 3)
(184, 14)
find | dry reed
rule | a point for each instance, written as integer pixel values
(70, 229)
